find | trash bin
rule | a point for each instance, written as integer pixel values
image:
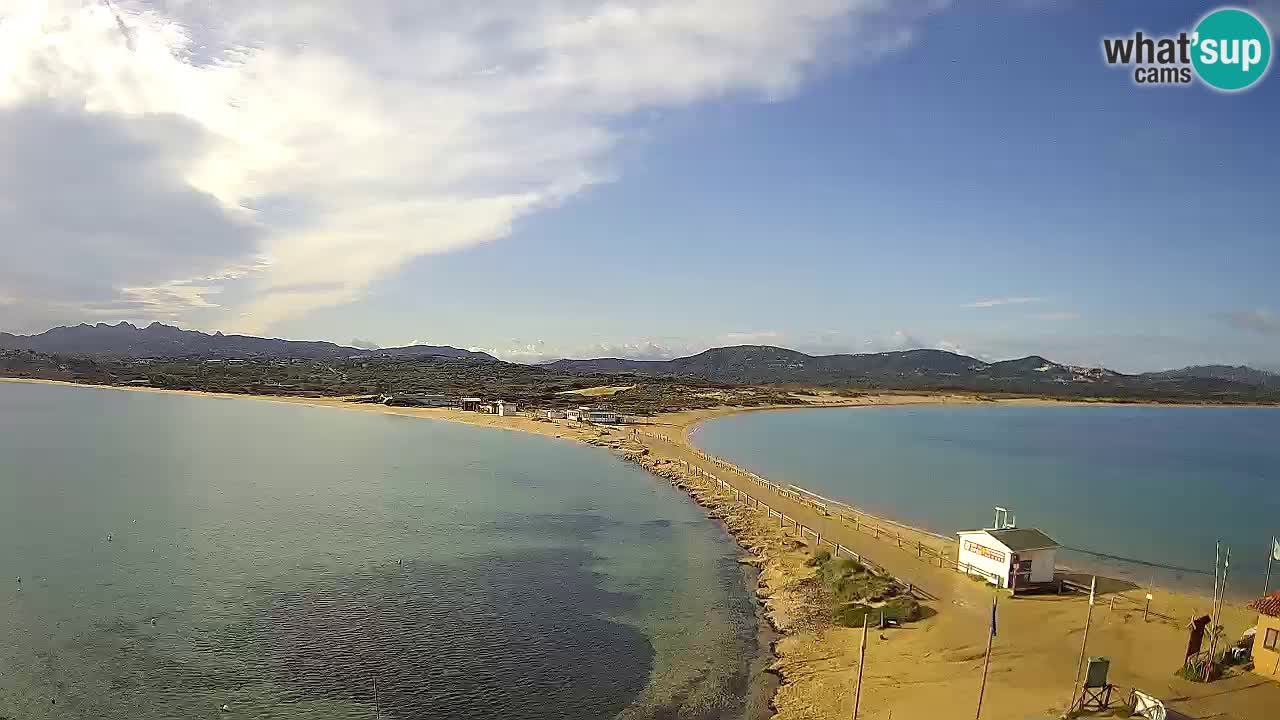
(1096, 676)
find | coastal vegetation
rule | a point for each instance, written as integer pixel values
(857, 593)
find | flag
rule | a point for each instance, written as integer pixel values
(1275, 549)
(993, 617)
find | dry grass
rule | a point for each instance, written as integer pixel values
(598, 391)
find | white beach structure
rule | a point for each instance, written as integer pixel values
(597, 415)
(1007, 556)
(505, 409)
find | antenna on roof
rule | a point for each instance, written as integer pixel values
(1003, 520)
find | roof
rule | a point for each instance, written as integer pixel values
(1268, 604)
(1023, 539)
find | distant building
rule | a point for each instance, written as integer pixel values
(553, 414)
(505, 409)
(1008, 557)
(419, 400)
(1266, 643)
(573, 414)
(596, 415)
(470, 403)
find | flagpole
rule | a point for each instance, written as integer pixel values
(862, 661)
(1084, 644)
(991, 636)
(1217, 614)
(1275, 545)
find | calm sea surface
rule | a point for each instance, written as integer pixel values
(1159, 484)
(178, 553)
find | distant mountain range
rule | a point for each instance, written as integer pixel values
(767, 364)
(763, 364)
(160, 340)
(1233, 373)
(738, 365)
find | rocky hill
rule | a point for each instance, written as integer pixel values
(160, 340)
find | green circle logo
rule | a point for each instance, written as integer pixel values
(1232, 49)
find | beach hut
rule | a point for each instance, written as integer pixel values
(1266, 641)
(553, 414)
(504, 408)
(1008, 557)
(470, 403)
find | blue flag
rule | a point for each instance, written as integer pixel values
(993, 618)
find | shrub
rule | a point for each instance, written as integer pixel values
(819, 558)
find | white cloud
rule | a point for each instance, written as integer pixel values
(754, 337)
(998, 302)
(297, 152)
(1259, 320)
(540, 351)
(363, 344)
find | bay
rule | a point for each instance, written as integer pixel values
(1156, 484)
(178, 553)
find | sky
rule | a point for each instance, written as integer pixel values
(584, 178)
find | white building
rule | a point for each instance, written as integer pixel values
(504, 408)
(1008, 557)
(596, 415)
(553, 414)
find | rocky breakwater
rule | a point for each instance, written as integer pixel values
(812, 600)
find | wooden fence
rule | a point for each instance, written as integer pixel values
(874, 526)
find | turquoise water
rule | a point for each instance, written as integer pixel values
(1157, 484)
(178, 553)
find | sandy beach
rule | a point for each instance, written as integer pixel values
(931, 668)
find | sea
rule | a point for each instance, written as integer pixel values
(162, 556)
(1145, 493)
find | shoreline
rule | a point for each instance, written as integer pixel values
(814, 661)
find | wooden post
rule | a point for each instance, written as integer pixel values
(1075, 685)
(1147, 610)
(862, 661)
(991, 636)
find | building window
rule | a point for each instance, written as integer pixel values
(1269, 641)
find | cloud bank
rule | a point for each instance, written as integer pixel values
(999, 302)
(234, 164)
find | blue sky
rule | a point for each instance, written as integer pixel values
(969, 176)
